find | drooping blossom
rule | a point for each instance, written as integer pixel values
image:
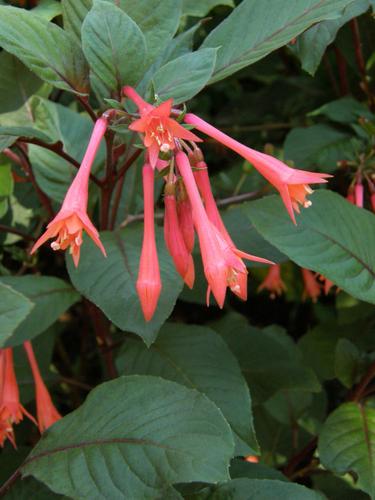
(185, 215)
(72, 218)
(359, 192)
(273, 282)
(312, 289)
(351, 195)
(204, 186)
(11, 409)
(292, 184)
(222, 263)
(327, 284)
(159, 130)
(149, 282)
(174, 239)
(47, 414)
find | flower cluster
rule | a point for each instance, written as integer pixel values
(190, 207)
(11, 409)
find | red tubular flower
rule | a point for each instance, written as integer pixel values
(174, 239)
(359, 192)
(156, 125)
(203, 182)
(185, 216)
(72, 217)
(47, 414)
(327, 284)
(312, 288)
(273, 282)
(148, 283)
(11, 410)
(222, 264)
(292, 184)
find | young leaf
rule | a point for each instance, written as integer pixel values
(51, 297)
(114, 47)
(185, 76)
(14, 308)
(347, 362)
(197, 358)
(50, 52)
(328, 239)
(254, 29)
(134, 437)
(110, 282)
(74, 12)
(347, 443)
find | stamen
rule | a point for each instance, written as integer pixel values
(165, 148)
(307, 204)
(308, 189)
(55, 246)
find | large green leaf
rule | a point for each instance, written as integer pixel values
(202, 7)
(254, 29)
(50, 52)
(114, 47)
(269, 359)
(185, 76)
(53, 173)
(328, 238)
(320, 145)
(311, 44)
(347, 443)
(17, 83)
(51, 297)
(257, 489)
(158, 20)
(110, 282)
(74, 12)
(198, 358)
(133, 438)
(14, 308)
(30, 489)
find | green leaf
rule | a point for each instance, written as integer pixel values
(74, 12)
(347, 443)
(51, 297)
(17, 83)
(133, 438)
(14, 308)
(50, 52)
(347, 362)
(311, 44)
(203, 7)
(257, 489)
(158, 26)
(30, 489)
(47, 9)
(254, 29)
(198, 358)
(114, 47)
(185, 76)
(269, 359)
(345, 110)
(317, 145)
(110, 282)
(6, 180)
(328, 239)
(54, 174)
(242, 468)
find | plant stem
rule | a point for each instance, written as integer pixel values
(26, 166)
(342, 66)
(361, 62)
(57, 148)
(85, 104)
(9, 482)
(13, 230)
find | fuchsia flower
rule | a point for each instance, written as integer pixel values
(185, 215)
(359, 192)
(273, 282)
(222, 263)
(148, 283)
(174, 239)
(47, 414)
(11, 409)
(72, 217)
(312, 289)
(159, 129)
(292, 184)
